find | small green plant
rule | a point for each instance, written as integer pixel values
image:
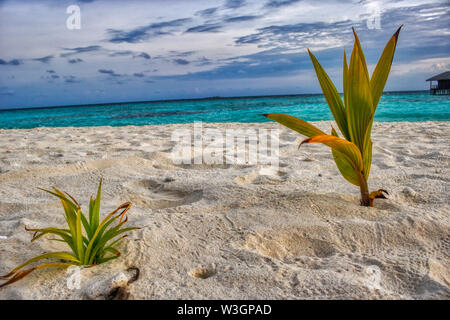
(354, 116)
(91, 241)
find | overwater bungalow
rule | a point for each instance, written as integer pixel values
(443, 83)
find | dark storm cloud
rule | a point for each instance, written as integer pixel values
(145, 32)
(77, 50)
(109, 72)
(121, 53)
(300, 34)
(264, 64)
(429, 19)
(241, 18)
(181, 53)
(13, 62)
(234, 4)
(204, 62)
(143, 55)
(209, 27)
(276, 61)
(73, 61)
(71, 79)
(206, 12)
(280, 3)
(182, 62)
(125, 53)
(45, 59)
(50, 76)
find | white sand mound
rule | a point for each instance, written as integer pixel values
(234, 231)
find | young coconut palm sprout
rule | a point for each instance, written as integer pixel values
(354, 116)
(91, 241)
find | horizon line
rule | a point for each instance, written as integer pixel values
(187, 99)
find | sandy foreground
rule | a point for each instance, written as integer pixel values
(234, 231)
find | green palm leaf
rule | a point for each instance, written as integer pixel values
(88, 240)
(332, 96)
(19, 275)
(359, 101)
(345, 87)
(295, 124)
(354, 116)
(344, 165)
(382, 69)
(57, 255)
(346, 148)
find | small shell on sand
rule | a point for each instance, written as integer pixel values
(407, 191)
(201, 272)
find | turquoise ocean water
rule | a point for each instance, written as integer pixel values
(395, 106)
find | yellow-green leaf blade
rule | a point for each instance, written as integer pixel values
(94, 217)
(23, 273)
(359, 108)
(346, 148)
(111, 234)
(79, 237)
(70, 209)
(88, 254)
(332, 96)
(86, 225)
(56, 255)
(296, 124)
(382, 69)
(63, 233)
(345, 86)
(367, 160)
(367, 155)
(344, 165)
(358, 47)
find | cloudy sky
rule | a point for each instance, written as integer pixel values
(170, 49)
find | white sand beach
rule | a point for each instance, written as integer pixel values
(234, 231)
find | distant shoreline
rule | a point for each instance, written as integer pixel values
(190, 99)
